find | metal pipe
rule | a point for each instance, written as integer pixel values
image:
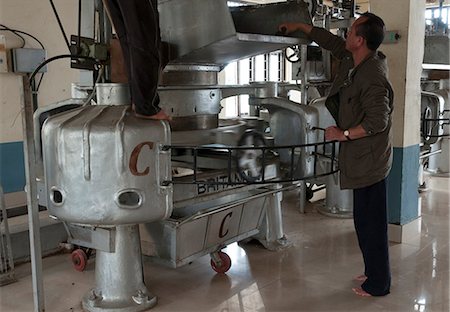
(303, 88)
(61, 27)
(32, 196)
(105, 32)
(429, 154)
(302, 198)
(274, 219)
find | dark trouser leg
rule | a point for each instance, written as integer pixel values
(136, 23)
(370, 217)
(117, 20)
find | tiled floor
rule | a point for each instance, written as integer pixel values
(315, 274)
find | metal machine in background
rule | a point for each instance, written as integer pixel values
(195, 186)
(316, 78)
(435, 133)
(338, 203)
(435, 99)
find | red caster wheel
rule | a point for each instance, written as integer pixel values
(220, 262)
(79, 259)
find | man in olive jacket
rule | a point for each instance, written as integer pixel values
(361, 102)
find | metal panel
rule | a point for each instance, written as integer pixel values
(236, 47)
(223, 226)
(206, 227)
(187, 25)
(264, 19)
(195, 230)
(103, 239)
(299, 121)
(432, 106)
(195, 101)
(252, 215)
(437, 50)
(105, 166)
(27, 60)
(203, 31)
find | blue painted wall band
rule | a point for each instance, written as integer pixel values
(12, 167)
(403, 183)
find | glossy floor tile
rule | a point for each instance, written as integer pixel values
(314, 274)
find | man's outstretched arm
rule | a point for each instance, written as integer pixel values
(321, 36)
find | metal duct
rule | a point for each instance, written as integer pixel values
(207, 32)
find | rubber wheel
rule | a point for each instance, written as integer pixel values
(79, 259)
(224, 266)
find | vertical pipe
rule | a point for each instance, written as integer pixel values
(32, 201)
(105, 32)
(302, 194)
(274, 217)
(303, 89)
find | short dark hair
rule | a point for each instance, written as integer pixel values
(372, 29)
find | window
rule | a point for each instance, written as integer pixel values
(437, 20)
(264, 67)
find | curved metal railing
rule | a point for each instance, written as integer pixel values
(255, 164)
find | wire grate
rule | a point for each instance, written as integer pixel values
(435, 127)
(7, 273)
(252, 164)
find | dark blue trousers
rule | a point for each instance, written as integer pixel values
(370, 218)
(137, 26)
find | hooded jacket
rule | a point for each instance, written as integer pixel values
(360, 95)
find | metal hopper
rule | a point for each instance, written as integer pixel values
(209, 32)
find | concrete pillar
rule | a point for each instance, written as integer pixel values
(405, 67)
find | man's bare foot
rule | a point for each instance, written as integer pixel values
(361, 292)
(360, 278)
(161, 115)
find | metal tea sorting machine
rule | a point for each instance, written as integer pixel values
(181, 190)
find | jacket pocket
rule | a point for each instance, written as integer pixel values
(359, 163)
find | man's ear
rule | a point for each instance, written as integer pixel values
(361, 41)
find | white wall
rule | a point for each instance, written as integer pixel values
(35, 17)
(405, 64)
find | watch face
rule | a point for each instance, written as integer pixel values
(346, 133)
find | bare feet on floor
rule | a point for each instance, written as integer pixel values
(361, 292)
(161, 115)
(360, 278)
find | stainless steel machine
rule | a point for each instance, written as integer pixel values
(191, 187)
(435, 135)
(435, 99)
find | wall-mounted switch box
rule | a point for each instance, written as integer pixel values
(391, 36)
(3, 56)
(26, 60)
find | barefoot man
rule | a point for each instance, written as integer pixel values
(361, 102)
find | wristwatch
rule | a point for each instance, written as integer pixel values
(347, 135)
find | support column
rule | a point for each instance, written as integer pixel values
(119, 276)
(405, 67)
(271, 233)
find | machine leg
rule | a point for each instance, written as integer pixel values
(302, 199)
(272, 234)
(119, 277)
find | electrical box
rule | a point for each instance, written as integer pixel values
(318, 65)
(26, 60)
(3, 56)
(391, 36)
